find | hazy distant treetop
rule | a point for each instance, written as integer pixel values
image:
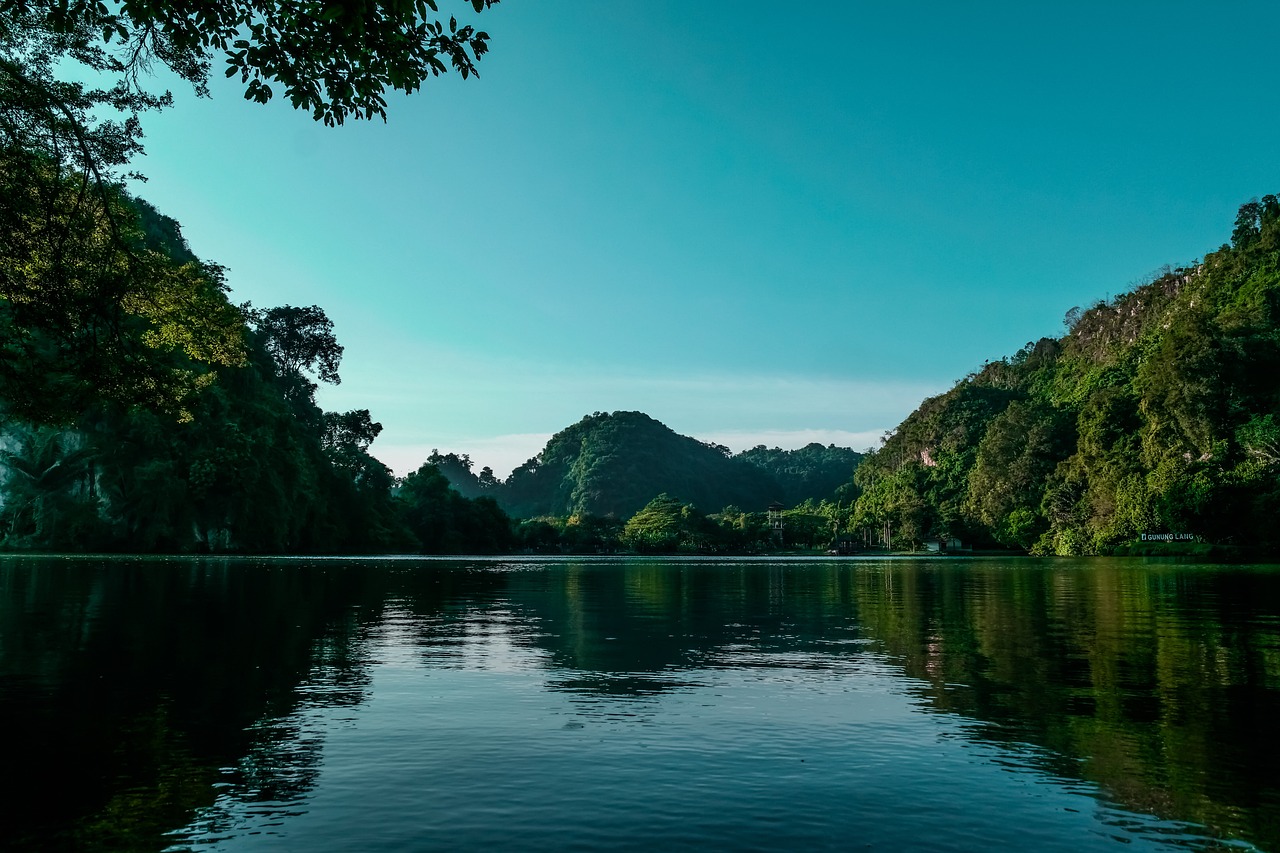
(812, 471)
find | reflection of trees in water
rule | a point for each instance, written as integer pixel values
(282, 764)
(133, 681)
(1159, 683)
(635, 618)
(440, 605)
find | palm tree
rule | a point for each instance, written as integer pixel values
(44, 470)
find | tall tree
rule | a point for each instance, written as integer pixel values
(300, 341)
(350, 431)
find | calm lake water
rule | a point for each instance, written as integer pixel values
(389, 704)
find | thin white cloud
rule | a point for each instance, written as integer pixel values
(790, 439)
(502, 453)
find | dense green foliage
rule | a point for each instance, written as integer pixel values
(1154, 414)
(665, 524)
(626, 482)
(668, 525)
(92, 305)
(457, 469)
(98, 301)
(577, 534)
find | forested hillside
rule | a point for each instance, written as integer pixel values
(1155, 414)
(614, 464)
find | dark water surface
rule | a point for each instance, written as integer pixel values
(944, 704)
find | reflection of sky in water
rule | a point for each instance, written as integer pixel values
(470, 734)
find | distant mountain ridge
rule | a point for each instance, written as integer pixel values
(615, 463)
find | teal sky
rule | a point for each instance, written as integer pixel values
(755, 222)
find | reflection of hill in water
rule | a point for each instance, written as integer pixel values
(653, 616)
(1160, 683)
